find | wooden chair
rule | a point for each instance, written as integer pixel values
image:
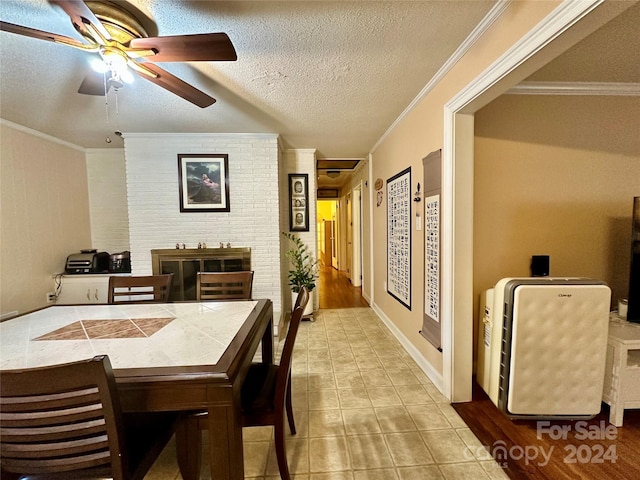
(302, 298)
(64, 422)
(147, 289)
(266, 394)
(224, 285)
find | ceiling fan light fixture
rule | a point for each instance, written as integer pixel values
(98, 65)
(114, 82)
(114, 63)
(126, 76)
(113, 57)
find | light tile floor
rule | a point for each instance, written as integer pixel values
(363, 411)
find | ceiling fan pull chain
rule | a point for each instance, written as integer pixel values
(106, 106)
(117, 132)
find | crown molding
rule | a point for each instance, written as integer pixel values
(576, 88)
(41, 135)
(201, 135)
(496, 11)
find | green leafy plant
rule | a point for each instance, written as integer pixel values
(305, 270)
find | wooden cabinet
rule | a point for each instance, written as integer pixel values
(83, 289)
(186, 263)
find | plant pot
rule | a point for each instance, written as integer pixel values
(308, 310)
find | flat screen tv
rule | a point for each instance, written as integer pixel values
(633, 313)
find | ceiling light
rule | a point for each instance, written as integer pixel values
(115, 59)
(126, 76)
(333, 173)
(98, 65)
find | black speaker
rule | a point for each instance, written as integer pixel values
(540, 266)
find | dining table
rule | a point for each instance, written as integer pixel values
(181, 357)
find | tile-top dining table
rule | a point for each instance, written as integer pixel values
(166, 357)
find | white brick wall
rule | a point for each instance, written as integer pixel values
(108, 200)
(155, 220)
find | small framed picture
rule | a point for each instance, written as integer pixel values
(204, 182)
(298, 202)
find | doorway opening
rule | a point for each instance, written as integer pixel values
(339, 252)
(328, 233)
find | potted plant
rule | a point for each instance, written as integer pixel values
(304, 271)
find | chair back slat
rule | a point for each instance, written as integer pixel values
(224, 285)
(144, 289)
(61, 418)
(284, 368)
(53, 415)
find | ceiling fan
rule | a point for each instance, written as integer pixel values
(122, 43)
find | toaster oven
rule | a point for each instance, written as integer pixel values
(87, 261)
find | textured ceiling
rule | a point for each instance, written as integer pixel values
(610, 54)
(332, 76)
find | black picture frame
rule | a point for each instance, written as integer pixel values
(298, 202)
(204, 182)
(399, 237)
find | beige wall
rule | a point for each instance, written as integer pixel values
(415, 136)
(555, 176)
(44, 215)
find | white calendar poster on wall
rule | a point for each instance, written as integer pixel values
(399, 237)
(432, 211)
(432, 256)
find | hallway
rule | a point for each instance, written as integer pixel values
(336, 291)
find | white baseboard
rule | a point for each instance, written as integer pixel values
(8, 315)
(425, 366)
(366, 297)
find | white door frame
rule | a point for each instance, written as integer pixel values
(348, 241)
(335, 247)
(457, 192)
(356, 237)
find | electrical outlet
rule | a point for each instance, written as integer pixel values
(51, 297)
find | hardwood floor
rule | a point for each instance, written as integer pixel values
(336, 291)
(590, 449)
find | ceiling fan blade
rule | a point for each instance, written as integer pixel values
(81, 15)
(39, 34)
(94, 83)
(181, 88)
(188, 48)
